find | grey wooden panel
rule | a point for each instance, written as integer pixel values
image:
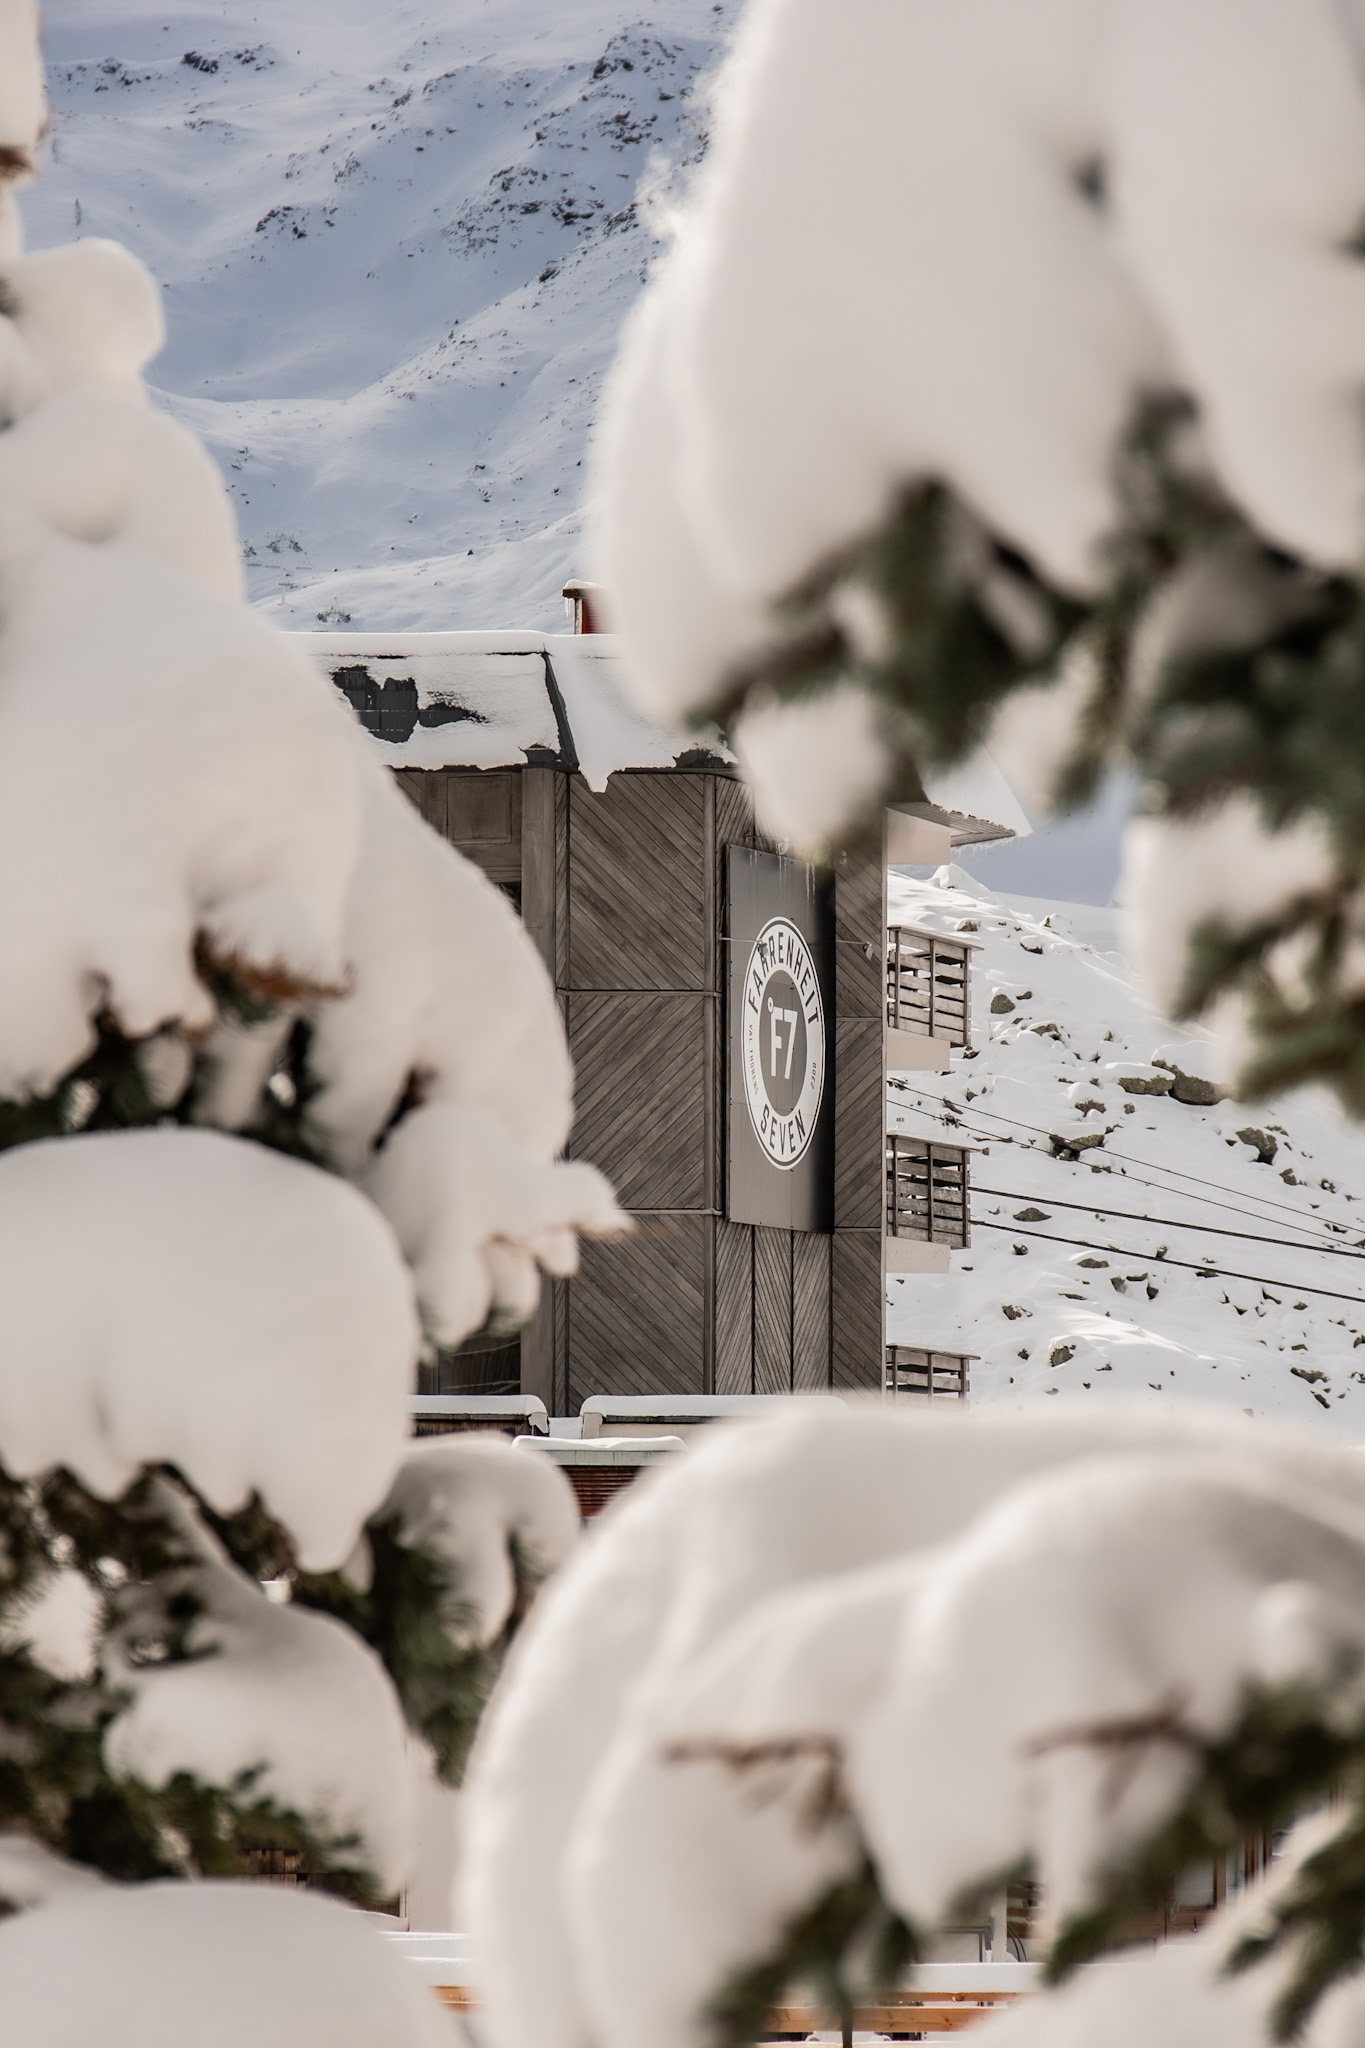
(734, 1307)
(734, 815)
(426, 789)
(810, 1311)
(640, 1095)
(538, 894)
(857, 1317)
(483, 809)
(859, 1124)
(772, 1311)
(636, 1312)
(538, 1348)
(859, 901)
(480, 1369)
(479, 814)
(859, 979)
(483, 819)
(563, 904)
(636, 877)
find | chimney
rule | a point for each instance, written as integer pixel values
(587, 606)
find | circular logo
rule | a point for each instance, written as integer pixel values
(782, 1040)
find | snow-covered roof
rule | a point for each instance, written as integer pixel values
(976, 802)
(508, 699)
(499, 700)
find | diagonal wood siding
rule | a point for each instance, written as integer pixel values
(636, 1313)
(734, 1307)
(859, 1122)
(637, 883)
(772, 1311)
(640, 1070)
(624, 893)
(810, 1311)
(857, 1283)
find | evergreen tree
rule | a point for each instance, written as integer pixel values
(237, 1095)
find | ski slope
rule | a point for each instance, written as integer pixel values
(397, 245)
(1126, 1242)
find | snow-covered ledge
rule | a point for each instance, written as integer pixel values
(912, 1255)
(908, 1052)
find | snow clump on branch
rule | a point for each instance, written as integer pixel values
(724, 1708)
(287, 1703)
(1006, 376)
(233, 1962)
(23, 115)
(186, 1298)
(499, 1519)
(1020, 218)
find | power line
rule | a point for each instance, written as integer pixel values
(1209, 1272)
(1154, 1165)
(955, 1122)
(1332, 1251)
(1176, 1194)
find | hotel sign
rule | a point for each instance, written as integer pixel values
(781, 1107)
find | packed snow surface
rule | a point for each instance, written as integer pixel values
(398, 244)
(1125, 1241)
(220, 1963)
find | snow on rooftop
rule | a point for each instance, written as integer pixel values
(499, 700)
(976, 792)
(503, 699)
(1159, 1297)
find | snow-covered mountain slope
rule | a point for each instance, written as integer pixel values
(1124, 1241)
(397, 243)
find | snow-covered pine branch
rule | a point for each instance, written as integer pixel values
(880, 1664)
(1007, 342)
(237, 1607)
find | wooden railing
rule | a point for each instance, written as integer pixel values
(926, 1191)
(927, 1374)
(928, 984)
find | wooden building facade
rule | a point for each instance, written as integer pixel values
(614, 848)
(624, 892)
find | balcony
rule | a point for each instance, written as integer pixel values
(928, 999)
(927, 1214)
(927, 1375)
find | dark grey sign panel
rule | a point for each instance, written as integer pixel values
(781, 1069)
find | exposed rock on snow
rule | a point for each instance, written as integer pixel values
(398, 247)
(1161, 1297)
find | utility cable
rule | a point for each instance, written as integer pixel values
(1155, 1166)
(955, 1122)
(1333, 1251)
(1207, 1271)
(1175, 1194)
